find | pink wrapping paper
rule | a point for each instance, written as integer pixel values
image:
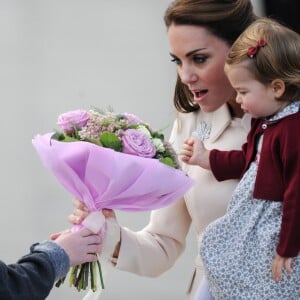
(103, 178)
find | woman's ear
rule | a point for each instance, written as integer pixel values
(278, 87)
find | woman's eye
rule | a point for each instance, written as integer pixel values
(175, 60)
(199, 59)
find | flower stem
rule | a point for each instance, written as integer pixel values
(100, 273)
(79, 276)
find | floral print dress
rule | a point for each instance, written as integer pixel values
(238, 249)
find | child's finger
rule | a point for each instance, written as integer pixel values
(186, 147)
(54, 236)
(288, 265)
(277, 270)
(185, 158)
(189, 142)
(188, 153)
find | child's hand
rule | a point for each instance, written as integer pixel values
(194, 153)
(81, 246)
(187, 150)
(279, 264)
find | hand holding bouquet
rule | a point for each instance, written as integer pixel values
(109, 160)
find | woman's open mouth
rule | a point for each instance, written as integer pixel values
(199, 95)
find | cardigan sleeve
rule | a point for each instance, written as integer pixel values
(289, 239)
(227, 164)
(233, 163)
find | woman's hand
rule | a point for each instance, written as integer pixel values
(79, 213)
(194, 153)
(279, 264)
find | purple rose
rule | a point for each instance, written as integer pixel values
(73, 119)
(132, 119)
(137, 143)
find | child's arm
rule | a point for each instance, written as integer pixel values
(194, 153)
(33, 276)
(279, 264)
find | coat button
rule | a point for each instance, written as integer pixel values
(264, 126)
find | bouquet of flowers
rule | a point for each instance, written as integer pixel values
(110, 160)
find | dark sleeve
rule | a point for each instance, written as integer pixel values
(289, 240)
(33, 276)
(233, 163)
(227, 164)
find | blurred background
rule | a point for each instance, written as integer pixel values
(60, 55)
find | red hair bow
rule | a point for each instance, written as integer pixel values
(253, 50)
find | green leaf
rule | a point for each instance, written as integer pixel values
(93, 141)
(110, 140)
(158, 135)
(167, 161)
(58, 136)
(70, 139)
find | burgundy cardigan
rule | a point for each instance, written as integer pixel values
(278, 174)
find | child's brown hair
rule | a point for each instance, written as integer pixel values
(271, 51)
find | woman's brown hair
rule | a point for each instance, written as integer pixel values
(226, 19)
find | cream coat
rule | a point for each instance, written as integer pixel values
(155, 249)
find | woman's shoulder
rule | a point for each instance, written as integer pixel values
(220, 115)
(187, 117)
(222, 125)
(183, 127)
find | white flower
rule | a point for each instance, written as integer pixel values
(145, 130)
(158, 145)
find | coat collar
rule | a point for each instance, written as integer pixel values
(219, 120)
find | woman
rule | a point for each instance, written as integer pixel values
(200, 33)
(257, 241)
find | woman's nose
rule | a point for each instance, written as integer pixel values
(187, 75)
